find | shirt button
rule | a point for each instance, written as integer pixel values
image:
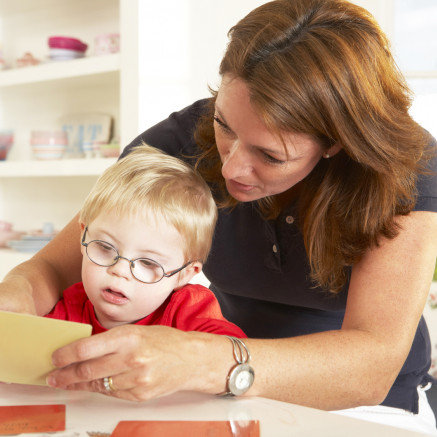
(289, 219)
(275, 249)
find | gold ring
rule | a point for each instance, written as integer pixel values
(107, 382)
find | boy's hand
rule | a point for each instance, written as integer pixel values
(15, 296)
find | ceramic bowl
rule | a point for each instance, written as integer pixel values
(48, 151)
(107, 43)
(5, 226)
(65, 54)
(110, 150)
(6, 142)
(48, 144)
(11, 235)
(64, 42)
(52, 137)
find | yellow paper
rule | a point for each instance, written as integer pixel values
(28, 342)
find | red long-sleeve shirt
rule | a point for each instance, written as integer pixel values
(192, 308)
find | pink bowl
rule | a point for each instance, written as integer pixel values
(6, 142)
(63, 42)
(110, 150)
(49, 137)
(5, 236)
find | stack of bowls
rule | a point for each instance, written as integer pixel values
(111, 150)
(48, 144)
(63, 48)
(7, 233)
(6, 142)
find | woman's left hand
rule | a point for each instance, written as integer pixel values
(143, 362)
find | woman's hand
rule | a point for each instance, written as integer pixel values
(144, 362)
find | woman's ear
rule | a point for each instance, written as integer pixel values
(188, 273)
(333, 150)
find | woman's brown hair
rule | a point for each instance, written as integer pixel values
(324, 68)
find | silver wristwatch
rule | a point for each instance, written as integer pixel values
(242, 375)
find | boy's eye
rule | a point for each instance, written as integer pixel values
(144, 262)
(104, 246)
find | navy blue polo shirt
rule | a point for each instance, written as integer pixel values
(259, 269)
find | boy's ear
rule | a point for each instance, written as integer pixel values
(188, 273)
(82, 229)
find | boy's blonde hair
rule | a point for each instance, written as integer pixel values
(148, 180)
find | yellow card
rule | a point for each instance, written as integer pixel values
(28, 342)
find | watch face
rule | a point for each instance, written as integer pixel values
(241, 379)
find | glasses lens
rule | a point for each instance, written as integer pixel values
(147, 270)
(101, 253)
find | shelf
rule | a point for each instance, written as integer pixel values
(54, 168)
(24, 6)
(60, 70)
(428, 74)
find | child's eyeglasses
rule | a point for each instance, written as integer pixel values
(143, 269)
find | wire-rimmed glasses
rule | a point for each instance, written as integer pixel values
(145, 270)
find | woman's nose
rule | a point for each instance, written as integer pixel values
(235, 162)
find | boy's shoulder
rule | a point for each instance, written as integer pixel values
(193, 292)
(193, 300)
(75, 294)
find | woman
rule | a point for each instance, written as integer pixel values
(325, 244)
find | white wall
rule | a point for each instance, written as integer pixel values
(181, 43)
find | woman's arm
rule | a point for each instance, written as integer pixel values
(358, 364)
(37, 284)
(332, 370)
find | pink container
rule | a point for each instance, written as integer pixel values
(48, 144)
(49, 137)
(107, 43)
(6, 142)
(63, 42)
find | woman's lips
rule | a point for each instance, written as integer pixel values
(114, 297)
(239, 186)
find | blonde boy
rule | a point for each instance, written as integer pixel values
(147, 228)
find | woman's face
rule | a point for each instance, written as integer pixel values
(255, 164)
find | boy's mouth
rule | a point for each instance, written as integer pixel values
(114, 296)
(116, 293)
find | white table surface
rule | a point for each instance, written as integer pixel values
(95, 412)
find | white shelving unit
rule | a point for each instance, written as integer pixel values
(88, 66)
(166, 62)
(33, 192)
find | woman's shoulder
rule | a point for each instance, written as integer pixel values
(427, 181)
(175, 134)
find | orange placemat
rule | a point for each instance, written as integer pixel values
(182, 428)
(31, 418)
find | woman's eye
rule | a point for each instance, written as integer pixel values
(222, 125)
(270, 159)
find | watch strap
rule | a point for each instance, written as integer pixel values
(242, 357)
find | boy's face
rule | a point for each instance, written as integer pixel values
(118, 297)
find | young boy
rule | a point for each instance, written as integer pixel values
(147, 227)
